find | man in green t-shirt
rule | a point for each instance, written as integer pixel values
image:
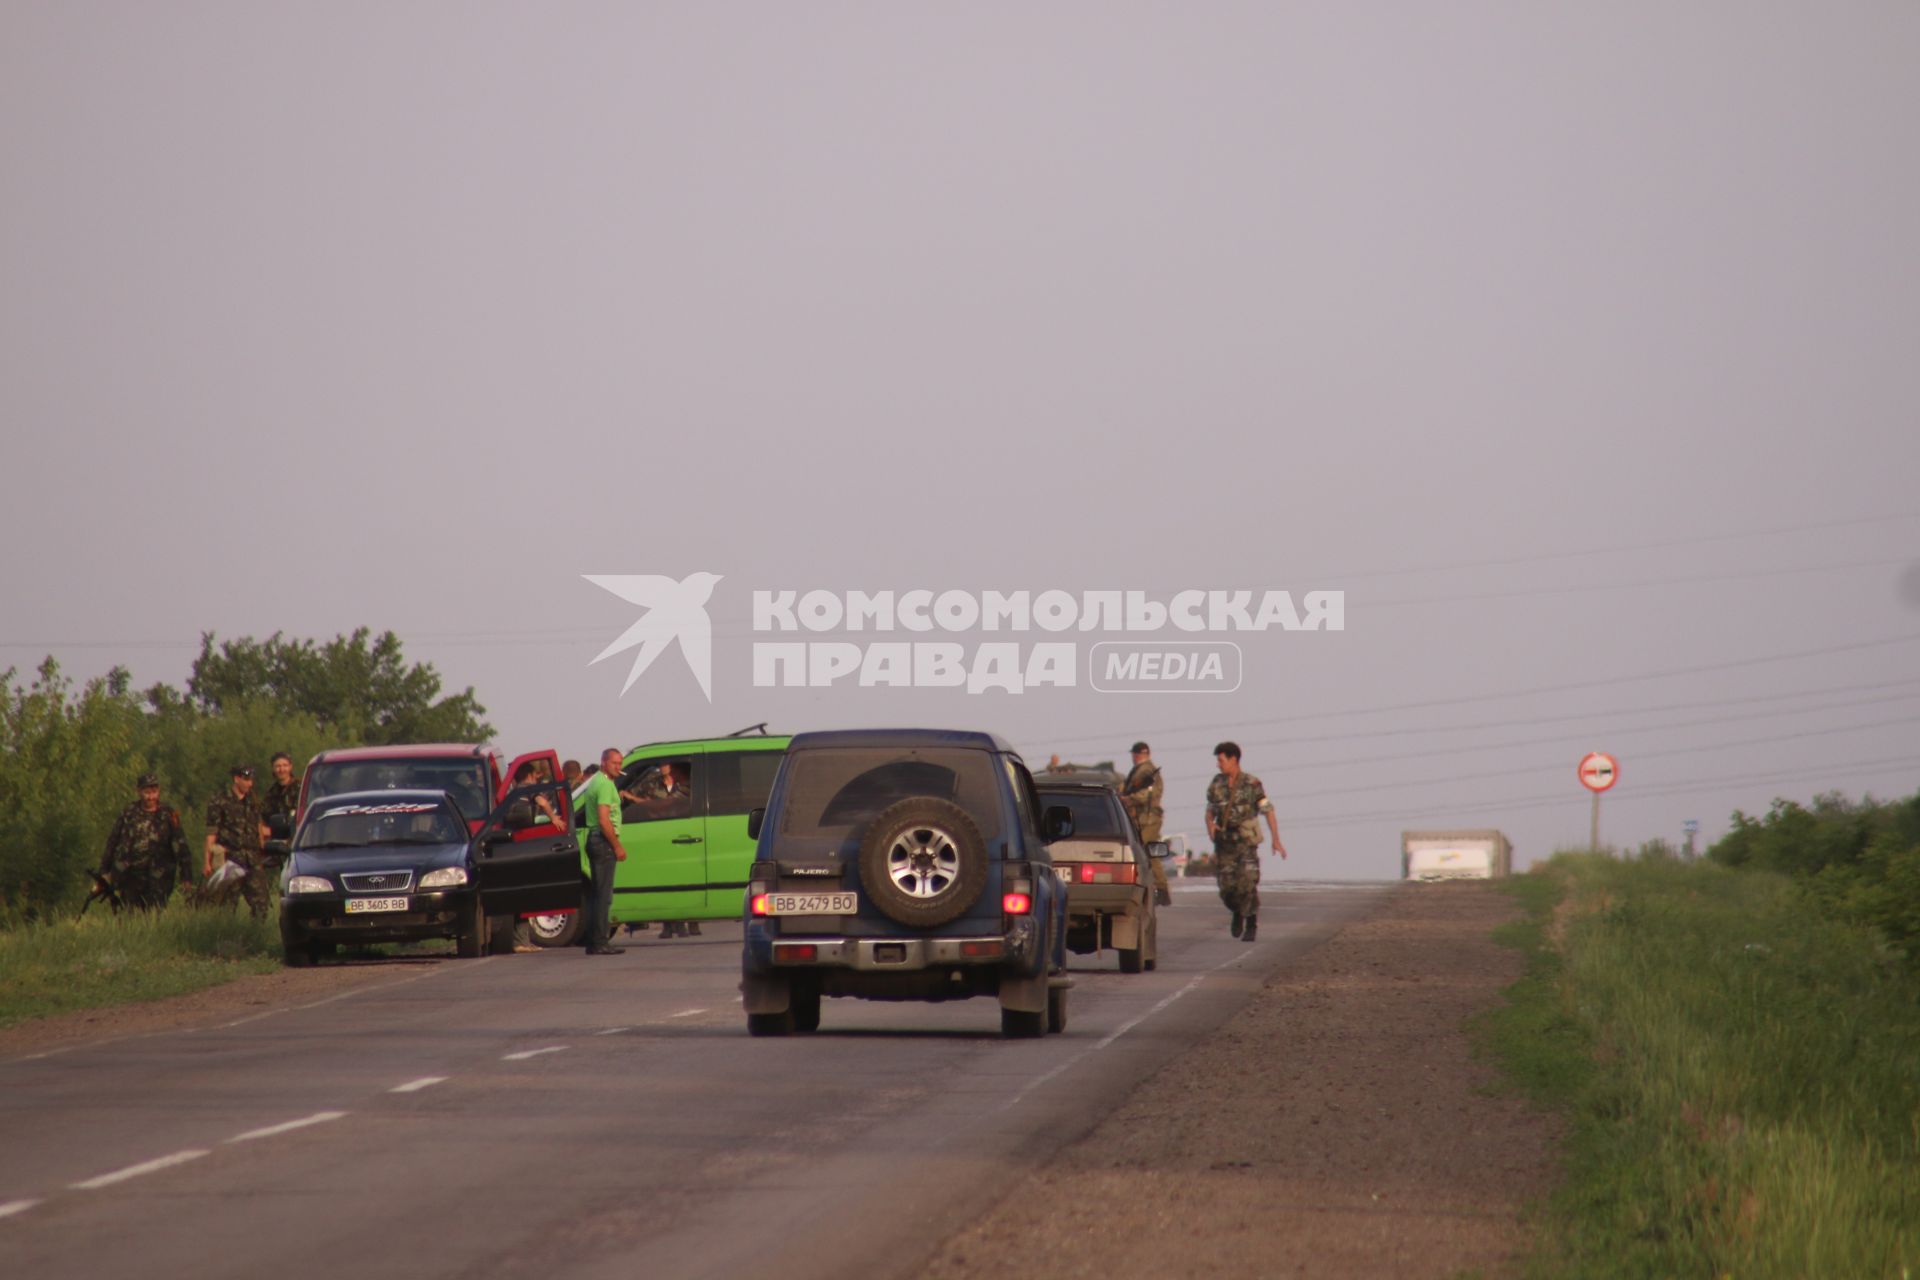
(603, 850)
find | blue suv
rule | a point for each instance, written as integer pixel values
(904, 864)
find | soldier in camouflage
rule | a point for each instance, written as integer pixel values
(283, 795)
(235, 827)
(146, 850)
(1140, 795)
(1235, 801)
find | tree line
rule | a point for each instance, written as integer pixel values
(69, 754)
(1860, 859)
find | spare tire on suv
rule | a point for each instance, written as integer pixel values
(922, 861)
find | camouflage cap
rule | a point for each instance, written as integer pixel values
(1140, 746)
(243, 771)
(147, 780)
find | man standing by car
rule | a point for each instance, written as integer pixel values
(603, 850)
(235, 828)
(146, 849)
(1235, 801)
(1141, 793)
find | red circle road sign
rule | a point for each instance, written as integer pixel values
(1598, 771)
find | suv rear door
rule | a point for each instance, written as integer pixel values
(534, 868)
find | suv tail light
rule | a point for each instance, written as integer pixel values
(759, 904)
(1016, 904)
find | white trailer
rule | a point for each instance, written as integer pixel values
(1454, 855)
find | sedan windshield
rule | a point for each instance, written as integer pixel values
(464, 780)
(353, 825)
(832, 794)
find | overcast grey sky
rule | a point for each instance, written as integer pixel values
(407, 315)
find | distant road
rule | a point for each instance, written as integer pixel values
(559, 1115)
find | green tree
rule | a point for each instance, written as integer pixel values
(358, 687)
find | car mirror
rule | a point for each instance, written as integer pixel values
(1158, 849)
(280, 826)
(278, 848)
(1057, 823)
(755, 821)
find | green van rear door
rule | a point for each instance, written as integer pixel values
(739, 780)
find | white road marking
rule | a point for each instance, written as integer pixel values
(12, 1207)
(1115, 1034)
(466, 966)
(524, 1054)
(134, 1171)
(318, 1117)
(415, 1086)
(612, 1031)
(687, 1013)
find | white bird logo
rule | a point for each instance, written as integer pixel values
(674, 611)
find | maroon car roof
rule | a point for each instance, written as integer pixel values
(407, 751)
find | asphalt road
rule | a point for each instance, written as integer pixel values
(561, 1115)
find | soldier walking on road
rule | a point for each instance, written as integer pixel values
(235, 828)
(146, 849)
(1235, 801)
(1140, 794)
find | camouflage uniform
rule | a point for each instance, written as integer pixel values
(145, 853)
(1140, 795)
(282, 798)
(234, 822)
(1236, 809)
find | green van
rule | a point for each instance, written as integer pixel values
(683, 823)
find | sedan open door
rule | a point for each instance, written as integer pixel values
(528, 858)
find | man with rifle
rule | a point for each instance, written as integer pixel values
(145, 851)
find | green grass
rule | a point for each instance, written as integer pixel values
(103, 960)
(1740, 1073)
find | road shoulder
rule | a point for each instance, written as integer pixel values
(1339, 1124)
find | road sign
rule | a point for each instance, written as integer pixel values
(1598, 771)
(1691, 826)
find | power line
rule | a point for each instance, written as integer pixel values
(1465, 699)
(1572, 798)
(1581, 588)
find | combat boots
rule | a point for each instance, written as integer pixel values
(1253, 923)
(1239, 923)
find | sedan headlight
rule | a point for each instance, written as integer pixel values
(444, 878)
(309, 884)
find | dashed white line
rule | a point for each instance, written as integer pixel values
(687, 1013)
(415, 1086)
(612, 1031)
(134, 1171)
(12, 1207)
(318, 1117)
(1116, 1033)
(524, 1054)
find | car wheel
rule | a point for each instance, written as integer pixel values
(805, 1006)
(471, 938)
(296, 952)
(770, 1024)
(1056, 1010)
(922, 862)
(560, 930)
(1018, 1024)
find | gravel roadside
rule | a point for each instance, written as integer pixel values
(1339, 1125)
